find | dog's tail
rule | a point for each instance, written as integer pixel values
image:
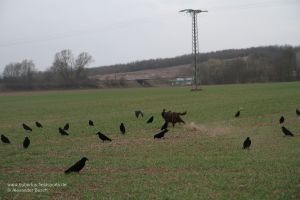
(183, 113)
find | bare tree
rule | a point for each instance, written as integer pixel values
(24, 70)
(81, 62)
(63, 64)
(19, 75)
(27, 70)
(69, 68)
(12, 70)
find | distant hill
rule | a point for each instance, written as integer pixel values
(158, 73)
(184, 60)
(255, 64)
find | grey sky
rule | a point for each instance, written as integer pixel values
(118, 31)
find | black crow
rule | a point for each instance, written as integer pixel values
(91, 123)
(160, 134)
(66, 127)
(38, 124)
(122, 128)
(77, 166)
(139, 113)
(281, 120)
(103, 137)
(26, 143)
(4, 139)
(237, 114)
(298, 112)
(150, 120)
(62, 131)
(27, 128)
(286, 131)
(247, 143)
(164, 126)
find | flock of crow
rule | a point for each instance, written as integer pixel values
(285, 131)
(169, 117)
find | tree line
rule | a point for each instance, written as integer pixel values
(256, 64)
(268, 64)
(67, 71)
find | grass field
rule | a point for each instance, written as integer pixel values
(202, 159)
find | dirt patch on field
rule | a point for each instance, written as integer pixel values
(212, 130)
(31, 170)
(161, 170)
(133, 141)
(37, 92)
(114, 170)
(190, 131)
(197, 127)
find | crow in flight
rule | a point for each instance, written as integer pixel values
(38, 124)
(281, 120)
(4, 139)
(247, 143)
(286, 131)
(27, 128)
(77, 166)
(66, 127)
(26, 143)
(62, 131)
(298, 112)
(160, 134)
(150, 120)
(139, 113)
(91, 123)
(164, 126)
(122, 128)
(103, 137)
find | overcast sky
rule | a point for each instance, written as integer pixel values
(120, 31)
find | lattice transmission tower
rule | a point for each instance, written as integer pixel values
(195, 45)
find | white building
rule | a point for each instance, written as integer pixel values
(180, 81)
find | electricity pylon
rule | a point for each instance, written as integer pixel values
(195, 44)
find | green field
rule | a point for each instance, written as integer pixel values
(202, 159)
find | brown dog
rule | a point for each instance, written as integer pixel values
(172, 117)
